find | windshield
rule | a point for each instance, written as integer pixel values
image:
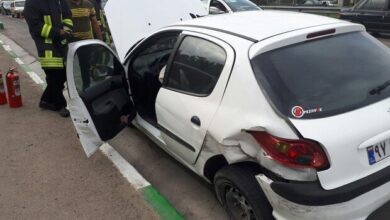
(241, 5)
(19, 4)
(325, 77)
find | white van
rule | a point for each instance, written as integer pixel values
(17, 8)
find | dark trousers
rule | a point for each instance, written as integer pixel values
(55, 79)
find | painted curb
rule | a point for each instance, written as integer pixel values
(156, 201)
(161, 205)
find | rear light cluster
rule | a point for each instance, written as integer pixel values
(292, 153)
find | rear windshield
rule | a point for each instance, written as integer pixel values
(241, 5)
(325, 77)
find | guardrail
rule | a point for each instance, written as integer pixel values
(308, 9)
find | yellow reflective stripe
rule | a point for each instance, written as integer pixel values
(46, 30)
(47, 26)
(45, 20)
(48, 41)
(80, 12)
(48, 19)
(68, 21)
(48, 54)
(51, 62)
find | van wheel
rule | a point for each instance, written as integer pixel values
(240, 194)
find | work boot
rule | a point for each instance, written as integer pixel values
(47, 106)
(64, 112)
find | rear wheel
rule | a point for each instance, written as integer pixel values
(240, 194)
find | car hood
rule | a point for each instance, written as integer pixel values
(131, 21)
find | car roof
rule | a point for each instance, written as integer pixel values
(259, 25)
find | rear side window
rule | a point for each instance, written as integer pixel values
(196, 67)
(219, 5)
(241, 5)
(325, 77)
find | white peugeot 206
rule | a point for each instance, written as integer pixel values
(287, 114)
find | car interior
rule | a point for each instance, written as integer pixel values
(144, 70)
(100, 81)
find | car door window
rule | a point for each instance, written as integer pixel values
(375, 5)
(147, 65)
(196, 67)
(219, 5)
(93, 64)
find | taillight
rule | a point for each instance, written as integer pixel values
(292, 153)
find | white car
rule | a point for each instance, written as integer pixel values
(17, 8)
(229, 6)
(287, 114)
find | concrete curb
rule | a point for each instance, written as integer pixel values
(159, 203)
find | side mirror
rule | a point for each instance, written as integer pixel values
(215, 11)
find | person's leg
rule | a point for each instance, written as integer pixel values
(58, 96)
(47, 101)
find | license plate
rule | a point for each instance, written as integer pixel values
(378, 152)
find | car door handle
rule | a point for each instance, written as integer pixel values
(195, 120)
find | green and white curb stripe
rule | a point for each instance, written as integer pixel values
(161, 205)
(150, 194)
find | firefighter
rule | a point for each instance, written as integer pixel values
(85, 27)
(102, 21)
(50, 26)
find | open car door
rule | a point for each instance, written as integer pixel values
(98, 93)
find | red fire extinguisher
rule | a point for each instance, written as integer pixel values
(13, 88)
(3, 97)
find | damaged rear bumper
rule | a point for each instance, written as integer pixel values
(309, 201)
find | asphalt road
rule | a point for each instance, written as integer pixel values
(192, 196)
(189, 194)
(44, 173)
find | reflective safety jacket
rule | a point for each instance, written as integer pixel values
(102, 21)
(45, 19)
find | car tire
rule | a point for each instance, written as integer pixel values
(240, 194)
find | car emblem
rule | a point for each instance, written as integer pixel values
(297, 111)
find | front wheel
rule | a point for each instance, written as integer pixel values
(240, 194)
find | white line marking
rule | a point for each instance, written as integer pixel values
(7, 48)
(19, 61)
(124, 167)
(35, 77)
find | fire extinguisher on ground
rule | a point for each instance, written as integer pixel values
(3, 97)
(13, 88)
